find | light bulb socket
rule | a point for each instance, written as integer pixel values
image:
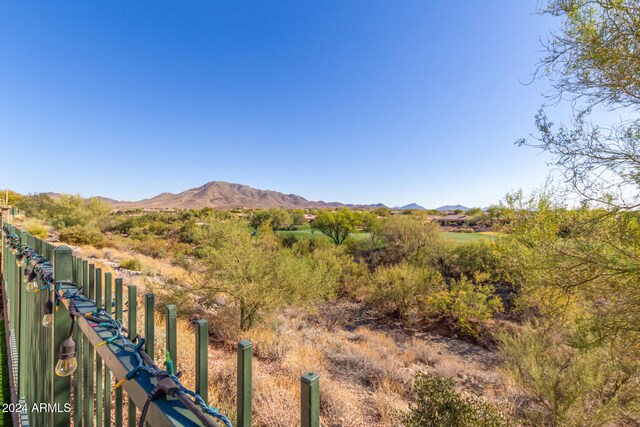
(68, 348)
(48, 307)
(32, 276)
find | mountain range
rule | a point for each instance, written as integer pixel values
(225, 195)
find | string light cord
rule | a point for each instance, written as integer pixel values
(168, 383)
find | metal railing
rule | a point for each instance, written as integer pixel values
(111, 357)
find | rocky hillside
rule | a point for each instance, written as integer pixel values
(225, 195)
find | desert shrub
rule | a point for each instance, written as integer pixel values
(288, 240)
(36, 228)
(152, 247)
(70, 210)
(258, 274)
(481, 256)
(336, 225)
(350, 275)
(158, 228)
(131, 264)
(437, 404)
(82, 235)
(35, 205)
(10, 197)
(571, 375)
(465, 304)
(401, 290)
(409, 239)
(276, 218)
(297, 217)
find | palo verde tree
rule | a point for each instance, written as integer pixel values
(337, 225)
(593, 62)
(258, 274)
(577, 357)
(276, 218)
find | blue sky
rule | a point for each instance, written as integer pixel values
(352, 101)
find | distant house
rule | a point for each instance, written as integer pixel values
(452, 220)
(309, 217)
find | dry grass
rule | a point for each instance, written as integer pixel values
(365, 374)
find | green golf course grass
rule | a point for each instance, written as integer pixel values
(306, 232)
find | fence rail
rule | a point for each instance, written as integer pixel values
(53, 299)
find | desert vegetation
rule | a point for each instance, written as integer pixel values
(536, 326)
(364, 312)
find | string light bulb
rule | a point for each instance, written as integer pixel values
(32, 286)
(20, 260)
(29, 276)
(47, 319)
(67, 363)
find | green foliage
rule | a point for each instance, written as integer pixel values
(72, 210)
(82, 235)
(592, 61)
(35, 205)
(465, 304)
(478, 256)
(260, 275)
(370, 222)
(595, 55)
(383, 212)
(131, 264)
(337, 225)
(36, 228)
(578, 359)
(297, 217)
(10, 197)
(474, 212)
(65, 210)
(401, 290)
(571, 377)
(437, 404)
(288, 240)
(409, 239)
(276, 218)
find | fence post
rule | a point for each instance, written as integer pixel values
(90, 384)
(149, 324)
(62, 271)
(80, 373)
(202, 359)
(107, 372)
(118, 403)
(310, 399)
(172, 345)
(245, 393)
(87, 398)
(132, 326)
(22, 327)
(99, 383)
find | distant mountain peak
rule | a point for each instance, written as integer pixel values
(413, 206)
(452, 208)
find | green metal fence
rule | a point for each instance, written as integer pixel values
(49, 295)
